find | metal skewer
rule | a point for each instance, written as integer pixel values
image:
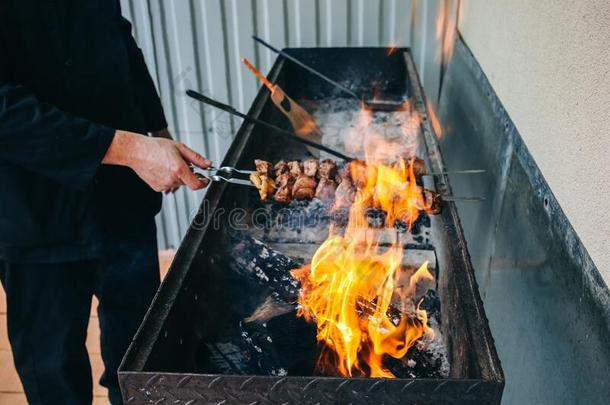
(283, 132)
(473, 171)
(454, 198)
(215, 177)
(230, 170)
(379, 105)
(304, 66)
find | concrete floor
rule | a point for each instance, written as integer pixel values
(11, 391)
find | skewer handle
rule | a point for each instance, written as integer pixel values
(200, 97)
(258, 74)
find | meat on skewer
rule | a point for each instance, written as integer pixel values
(361, 173)
(304, 188)
(328, 169)
(326, 189)
(280, 168)
(344, 194)
(263, 167)
(295, 168)
(265, 185)
(296, 181)
(284, 184)
(419, 166)
(310, 168)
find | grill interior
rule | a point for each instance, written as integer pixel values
(195, 326)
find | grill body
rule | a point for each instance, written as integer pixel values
(162, 365)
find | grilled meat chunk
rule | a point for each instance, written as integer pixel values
(419, 167)
(310, 168)
(280, 168)
(326, 189)
(295, 168)
(328, 169)
(345, 193)
(263, 167)
(284, 183)
(304, 188)
(265, 185)
(361, 174)
(433, 201)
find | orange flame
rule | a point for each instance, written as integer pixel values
(392, 47)
(350, 292)
(353, 289)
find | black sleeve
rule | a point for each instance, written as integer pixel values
(146, 94)
(43, 139)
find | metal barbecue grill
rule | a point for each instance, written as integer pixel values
(188, 350)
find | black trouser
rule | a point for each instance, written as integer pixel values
(48, 308)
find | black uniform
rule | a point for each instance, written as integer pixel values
(70, 74)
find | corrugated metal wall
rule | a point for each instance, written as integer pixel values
(199, 44)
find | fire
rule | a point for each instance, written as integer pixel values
(392, 47)
(351, 290)
(362, 299)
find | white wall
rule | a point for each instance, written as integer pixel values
(549, 62)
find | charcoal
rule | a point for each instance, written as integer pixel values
(375, 217)
(259, 344)
(223, 358)
(294, 339)
(252, 258)
(420, 362)
(432, 305)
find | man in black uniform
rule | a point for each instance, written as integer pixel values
(79, 187)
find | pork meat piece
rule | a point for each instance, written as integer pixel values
(419, 167)
(265, 185)
(295, 168)
(304, 188)
(362, 174)
(284, 183)
(433, 201)
(328, 169)
(326, 189)
(310, 167)
(345, 194)
(263, 167)
(280, 167)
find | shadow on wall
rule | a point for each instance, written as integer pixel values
(548, 307)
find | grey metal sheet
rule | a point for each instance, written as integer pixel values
(547, 305)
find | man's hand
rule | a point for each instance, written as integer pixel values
(162, 163)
